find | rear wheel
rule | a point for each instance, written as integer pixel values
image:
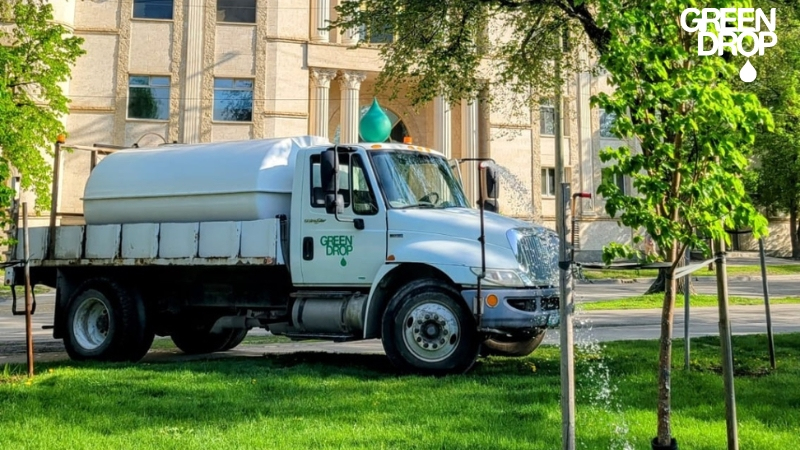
(512, 345)
(199, 340)
(236, 339)
(106, 322)
(427, 328)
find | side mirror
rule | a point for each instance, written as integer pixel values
(491, 205)
(329, 166)
(492, 184)
(328, 170)
(334, 203)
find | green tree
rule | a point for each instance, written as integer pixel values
(692, 127)
(694, 131)
(775, 180)
(35, 56)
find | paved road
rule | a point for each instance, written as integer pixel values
(590, 327)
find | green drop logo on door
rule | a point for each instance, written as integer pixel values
(337, 246)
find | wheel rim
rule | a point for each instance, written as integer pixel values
(91, 324)
(431, 331)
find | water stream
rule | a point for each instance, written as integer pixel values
(594, 382)
(515, 197)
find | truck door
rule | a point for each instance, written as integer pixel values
(335, 252)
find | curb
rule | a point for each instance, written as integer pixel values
(710, 279)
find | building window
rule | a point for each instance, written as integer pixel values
(233, 100)
(378, 33)
(547, 119)
(617, 179)
(548, 182)
(606, 122)
(148, 97)
(152, 9)
(238, 11)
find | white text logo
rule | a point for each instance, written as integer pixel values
(744, 31)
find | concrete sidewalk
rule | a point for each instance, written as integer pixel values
(703, 279)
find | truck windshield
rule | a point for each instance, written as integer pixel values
(412, 179)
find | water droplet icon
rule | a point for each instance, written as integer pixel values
(748, 72)
(343, 262)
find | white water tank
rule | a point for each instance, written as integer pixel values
(224, 181)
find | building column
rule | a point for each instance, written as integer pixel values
(351, 36)
(193, 84)
(321, 16)
(442, 128)
(469, 146)
(350, 84)
(320, 94)
(585, 139)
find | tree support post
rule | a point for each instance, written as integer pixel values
(727, 350)
(764, 284)
(686, 293)
(566, 303)
(26, 242)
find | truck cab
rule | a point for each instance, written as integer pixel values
(404, 230)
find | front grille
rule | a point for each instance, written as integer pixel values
(538, 252)
(523, 304)
(550, 303)
(534, 304)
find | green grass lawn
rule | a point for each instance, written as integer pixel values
(699, 300)
(318, 401)
(789, 269)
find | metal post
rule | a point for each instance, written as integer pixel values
(727, 350)
(686, 293)
(28, 299)
(566, 303)
(770, 339)
(51, 245)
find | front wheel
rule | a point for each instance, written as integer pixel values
(427, 328)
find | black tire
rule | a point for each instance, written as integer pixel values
(106, 322)
(236, 339)
(512, 346)
(427, 328)
(198, 340)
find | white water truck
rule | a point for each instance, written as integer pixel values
(298, 236)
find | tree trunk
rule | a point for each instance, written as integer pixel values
(665, 357)
(660, 284)
(793, 231)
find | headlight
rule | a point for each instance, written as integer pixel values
(503, 277)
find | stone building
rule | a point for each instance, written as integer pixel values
(211, 70)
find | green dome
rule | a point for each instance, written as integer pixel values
(375, 125)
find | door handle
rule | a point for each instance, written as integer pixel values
(308, 248)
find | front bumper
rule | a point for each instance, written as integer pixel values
(518, 310)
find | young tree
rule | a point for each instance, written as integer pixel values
(35, 56)
(775, 181)
(692, 127)
(694, 131)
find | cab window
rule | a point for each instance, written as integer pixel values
(358, 193)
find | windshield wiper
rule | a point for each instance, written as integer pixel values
(418, 205)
